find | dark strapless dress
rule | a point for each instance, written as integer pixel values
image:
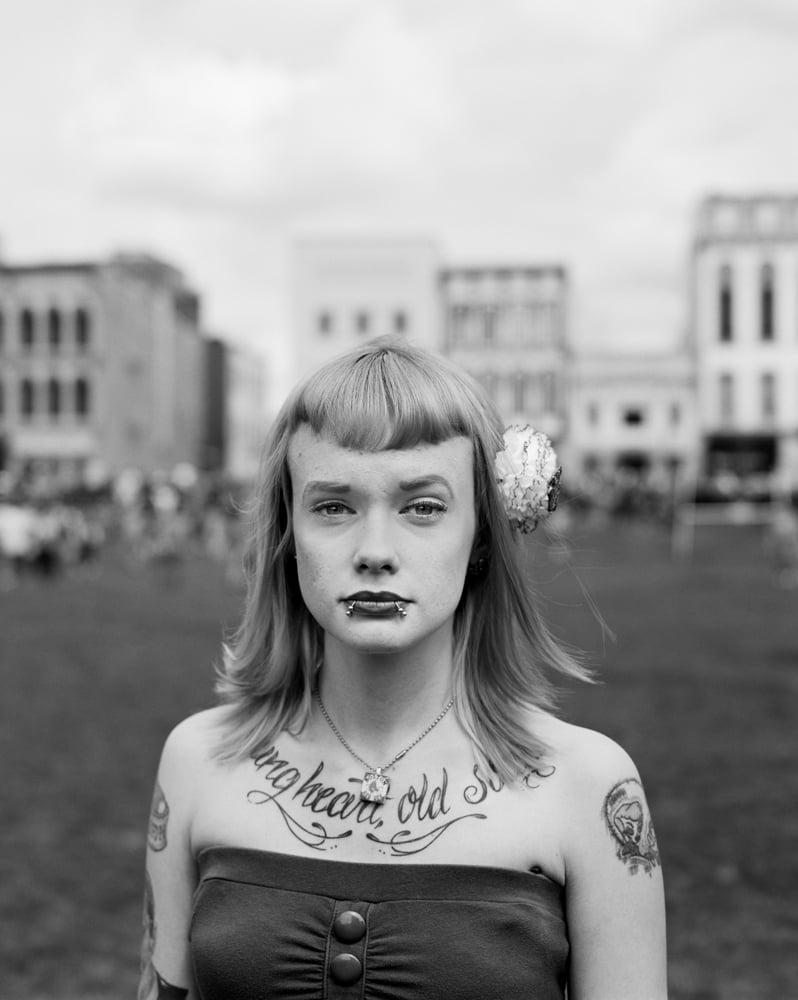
(272, 926)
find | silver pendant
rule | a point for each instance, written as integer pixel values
(374, 787)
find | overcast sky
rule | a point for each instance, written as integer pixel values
(214, 132)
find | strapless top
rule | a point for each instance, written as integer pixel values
(279, 927)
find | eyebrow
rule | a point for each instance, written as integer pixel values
(326, 486)
(409, 485)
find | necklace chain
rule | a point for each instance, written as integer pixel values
(401, 753)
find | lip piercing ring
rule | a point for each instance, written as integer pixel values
(400, 609)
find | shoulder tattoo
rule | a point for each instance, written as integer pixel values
(159, 817)
(629, 824)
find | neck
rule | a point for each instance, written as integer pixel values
(379, 703)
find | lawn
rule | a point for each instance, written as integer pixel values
(700, 686)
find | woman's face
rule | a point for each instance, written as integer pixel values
(381, 533)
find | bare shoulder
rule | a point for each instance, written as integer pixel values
(603, 797)
(584, 756)
(190, 745)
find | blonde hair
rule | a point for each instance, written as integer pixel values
(389, 395)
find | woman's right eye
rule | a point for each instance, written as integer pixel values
(329, 508)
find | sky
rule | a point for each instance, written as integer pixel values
(215, 133)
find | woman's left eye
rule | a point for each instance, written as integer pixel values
(427, 509)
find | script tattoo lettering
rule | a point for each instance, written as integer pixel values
(629, 824)
(474, 794)
(153, 986)
(289, 792)
(426, 803)
(313, 795)
(159, 817)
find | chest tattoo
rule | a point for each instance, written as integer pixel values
(320, 814)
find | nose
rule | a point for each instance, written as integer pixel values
(375, 551)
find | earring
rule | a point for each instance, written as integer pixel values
(478, 567)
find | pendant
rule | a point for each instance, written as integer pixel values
(374, 787)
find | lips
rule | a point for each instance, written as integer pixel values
(382, 603)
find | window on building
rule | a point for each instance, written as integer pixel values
(54, 329)
(2, 403)
(633, 416)
(726, 305)
(53, 397)
(549, 392)
(521, 389)
(726, 398)
(82, 329)
(768, 391)
(766, 293)
(2, 330)
(324, 322)
(400, 323)
(362, 322)
(82, 397)
(675, 414)
(488, 324)
(592, 414)
(26, 398)
(27, 330)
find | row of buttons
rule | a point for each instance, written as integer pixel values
(348, 927)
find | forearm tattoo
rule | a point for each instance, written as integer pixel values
(319, 815)
(153, 986)
(159, 818)
(629, 824)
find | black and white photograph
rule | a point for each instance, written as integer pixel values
(398, 500)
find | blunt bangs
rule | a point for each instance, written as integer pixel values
(389, 396)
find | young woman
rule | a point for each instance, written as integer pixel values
(384, 805)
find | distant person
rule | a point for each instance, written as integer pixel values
(384, 804)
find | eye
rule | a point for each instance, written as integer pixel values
(426, 509)
(330, 508)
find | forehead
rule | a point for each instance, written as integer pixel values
(314, 457)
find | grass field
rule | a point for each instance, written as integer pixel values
(700, 686)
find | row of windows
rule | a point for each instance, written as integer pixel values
(521, 393)
(727, 398)
(51, 327)
(517, 324)
(362, 321)
(766, 304)
(634, 416)
(52, 397)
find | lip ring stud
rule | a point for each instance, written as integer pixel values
(350, 609)
(400, 609)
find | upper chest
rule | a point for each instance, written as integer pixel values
(437, 811)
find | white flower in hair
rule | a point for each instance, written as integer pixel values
(528, 475)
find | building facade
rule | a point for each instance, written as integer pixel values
(101, 364)
(348, 291)
(745, 336)
(236, 421)
(633, 418)
(507, 327)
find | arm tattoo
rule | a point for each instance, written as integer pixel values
(159, 817)
(152, 986)
(629, 824)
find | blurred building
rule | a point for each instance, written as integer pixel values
(235, 419)
(348, 291)
(507, 327)
(745, 335)
(633, 417)
(101, 364)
